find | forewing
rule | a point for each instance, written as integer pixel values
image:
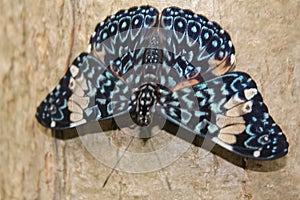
(121, 39)
(196, 47)
(93, 88)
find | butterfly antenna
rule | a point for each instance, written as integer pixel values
(116, 164)
(159, 161)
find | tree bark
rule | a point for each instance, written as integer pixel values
(40, 39)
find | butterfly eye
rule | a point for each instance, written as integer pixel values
(52, 109)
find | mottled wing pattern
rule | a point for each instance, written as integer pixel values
(93, 88)
(176, 65)
(230, 111)
(85, 93)
(121, 39)
(196, 47)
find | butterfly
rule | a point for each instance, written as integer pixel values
(175, 63)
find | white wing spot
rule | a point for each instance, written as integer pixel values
(136, 21)
(82, 82)
(75, 87)
(72, 84)
(233, 101)
(250, 93)
(206, 35)
(223, 121)
(73, 107)
(124, 24)
(256, 154)
(180, 24)
(227, 138)
(112, 29)
(234, 129)
(74, 70)
(74, 117)
(241, 109)
(53, 124)
(83, 102)
(232, 59)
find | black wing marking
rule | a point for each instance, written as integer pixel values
(229, 111)
(121, 39)
(87, 92)
(137, 62)
(192, 38)
(93, 87)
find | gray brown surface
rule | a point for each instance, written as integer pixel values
(38, 40)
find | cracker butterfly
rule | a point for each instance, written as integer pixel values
(177, 64)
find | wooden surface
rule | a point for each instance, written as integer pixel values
(40, 39)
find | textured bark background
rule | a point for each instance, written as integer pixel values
(40, 38)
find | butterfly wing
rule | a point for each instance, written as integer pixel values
(94, 88)
(121, 39)
(229, 111)
(87, 92)
(201, 47)
(191, 88)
